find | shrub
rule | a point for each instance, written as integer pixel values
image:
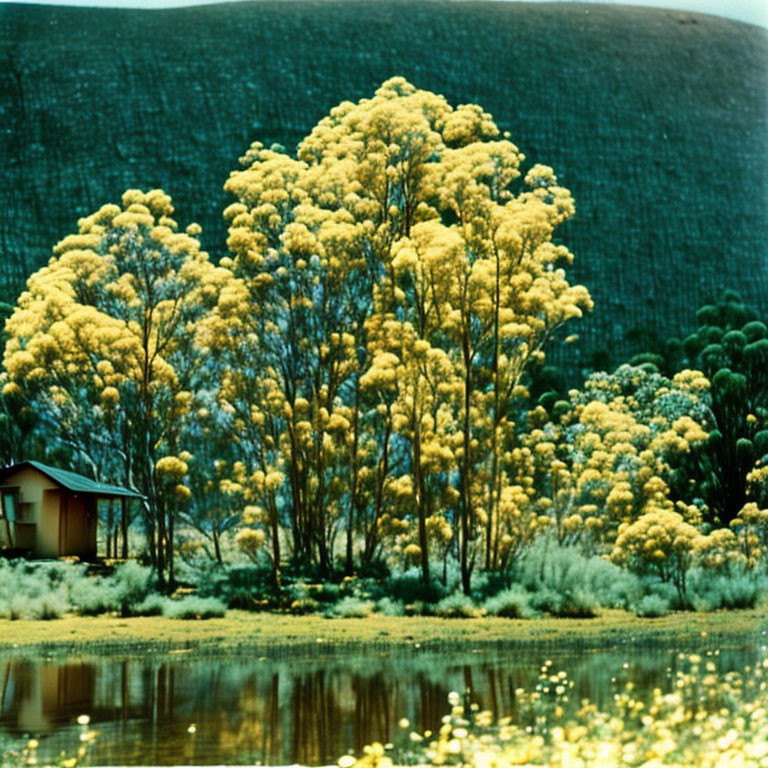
(239, 586)
(151, 605)
(49, 606)
(585, 583)
(194, 607)
(487, 584)
(512, 603)
(36, 589)
(653, 585)
(351, 608)
(130, 583)
(578, 603)
(408, 588)
(327, 593)
(419, 608)
(711, 591)
(17, 605)
(458, 606)
(304, 605)
(388, 607)
(652, 606)
(91, 596)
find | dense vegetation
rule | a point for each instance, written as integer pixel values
(352, 390)
(655, 120)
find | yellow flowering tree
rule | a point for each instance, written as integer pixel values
(396, 231)
(109, 327)
(751, 523)
(610, 456)
(662, 540)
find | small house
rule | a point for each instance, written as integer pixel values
(50, 512)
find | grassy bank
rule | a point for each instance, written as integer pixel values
(279, 635)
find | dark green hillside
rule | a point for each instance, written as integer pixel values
(657, 120)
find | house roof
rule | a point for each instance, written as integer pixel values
(70, 480)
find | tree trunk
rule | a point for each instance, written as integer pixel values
(466, 489)
(124, 526)
(418, 480)
(274, 524)
(216, 546)
(170, 558)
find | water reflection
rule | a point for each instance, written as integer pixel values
(305, 711)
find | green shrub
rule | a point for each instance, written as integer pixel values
(92, 596)
(584, 583)
(36, 589)
(386, 606)
(351, 608)
(487, 584)
(458, 606)
(130, 584)
(239, 586)
(327, 593)
(303, 605)
(194, 607)
(408, 588)
(652, 606)
(151, 605)
(15, 607)
(512, 603)
(578, 603)
(653, 585)
(712, 591)
(419, 608)
(52, 605)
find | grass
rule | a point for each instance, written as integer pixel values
(278, 634)
(655, 120)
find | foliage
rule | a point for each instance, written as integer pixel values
(359, 385)
(102, 341)
(408, 588)
(383, 279)
(50, 589)
(734, 588)
(652, 606)
(607, 455)
(563, 581)
(152, 605)
(28, 591)
(193, 607)
(386, 606)
(730, 346)
(457, 606)
(130, 584)
(512, 603)
(239, 586)
(351, 607)
(660, 540)
(751, 528)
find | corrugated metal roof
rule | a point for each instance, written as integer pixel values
(71, 480)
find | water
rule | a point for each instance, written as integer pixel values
(310, 711)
